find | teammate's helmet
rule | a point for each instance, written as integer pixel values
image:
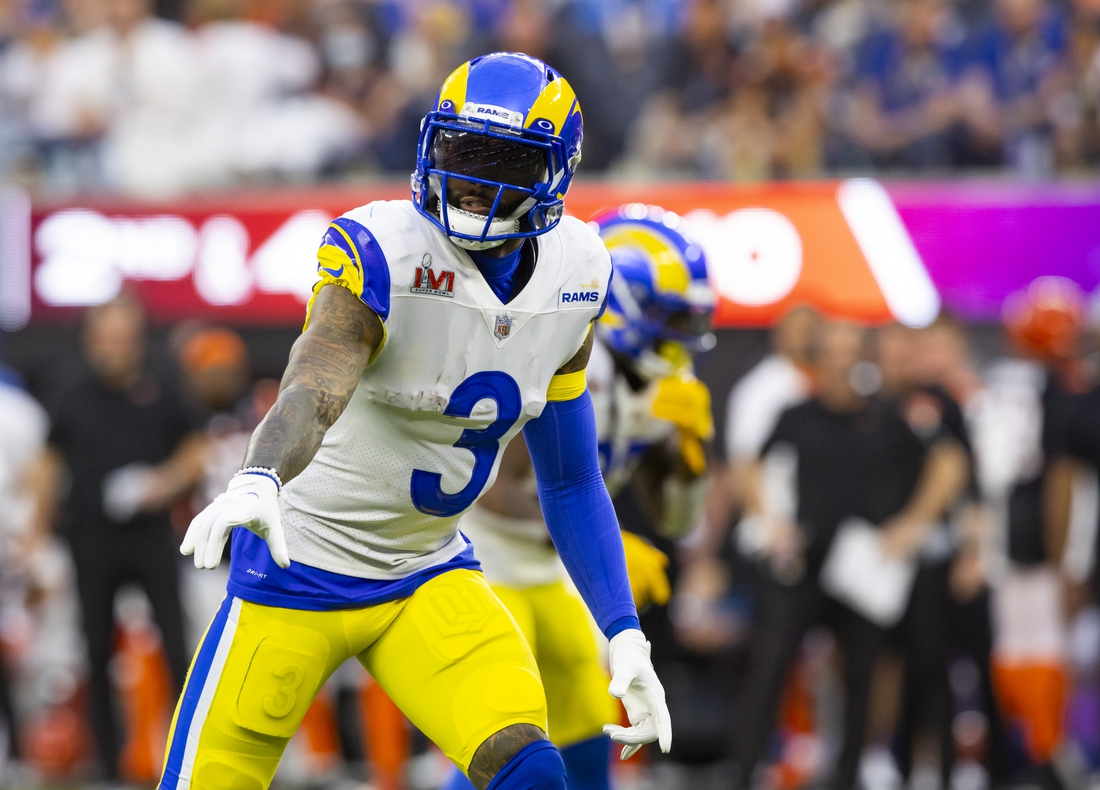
(1046, 319)
(505, 134)
(659, 290)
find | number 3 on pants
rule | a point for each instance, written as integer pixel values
(279, 685)
(280, 705)
(427, 494)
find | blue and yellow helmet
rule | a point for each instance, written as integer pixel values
(498, 152)
(660, 290)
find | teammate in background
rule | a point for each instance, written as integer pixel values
(652, 416)
(438, 330)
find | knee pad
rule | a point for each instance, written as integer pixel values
(537, 766)
(588, 764)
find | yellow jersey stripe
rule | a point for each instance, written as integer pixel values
(566, 386)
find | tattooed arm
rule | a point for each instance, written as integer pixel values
(325, 364)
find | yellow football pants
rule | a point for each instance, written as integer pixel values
(557, 627)
(450, 656)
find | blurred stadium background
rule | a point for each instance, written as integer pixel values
(886, 162)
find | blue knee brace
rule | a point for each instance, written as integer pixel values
(537, 766)
(458, 781)
(588, 764)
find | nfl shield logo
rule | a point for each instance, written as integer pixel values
(504, 326)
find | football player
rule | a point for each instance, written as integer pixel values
(436, 333)
(652, 417)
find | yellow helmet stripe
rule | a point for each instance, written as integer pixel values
(553, 104)
(454, 87)
(670, 273)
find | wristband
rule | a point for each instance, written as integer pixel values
(264, 471)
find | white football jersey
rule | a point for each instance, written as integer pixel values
(457, 377)
(518, 552)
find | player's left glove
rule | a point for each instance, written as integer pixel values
(251, 501)
(634, 681)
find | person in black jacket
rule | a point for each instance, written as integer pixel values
(924, 632)
(853, 455)
(124, 439)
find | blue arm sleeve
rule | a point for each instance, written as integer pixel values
(578, 510)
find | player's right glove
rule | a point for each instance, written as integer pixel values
(251, 501)
(634, 681)
(645, 567)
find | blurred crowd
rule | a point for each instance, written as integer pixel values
(891, 582)
(156, 97)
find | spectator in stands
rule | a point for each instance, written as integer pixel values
(699, 87)
(1076, 107)
(841, 25)
(605, 60)
(904, 108)
(695, 73)
(59, 86)
(352, 47)
(1014, 64)
(600, 48)
(773, 123)
(853, 455)
(420, 54)
(153, 93)
(258, 116)
(124, 440)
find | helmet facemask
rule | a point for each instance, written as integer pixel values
(498, 183)
(690, 327)
(486, 186)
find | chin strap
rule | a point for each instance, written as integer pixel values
(470, 224)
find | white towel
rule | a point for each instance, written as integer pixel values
(859, 574)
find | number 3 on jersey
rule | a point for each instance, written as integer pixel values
(428, 495)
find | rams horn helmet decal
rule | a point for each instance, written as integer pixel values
(660, 290)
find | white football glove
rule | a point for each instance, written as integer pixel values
(635, 683)
(250, 501)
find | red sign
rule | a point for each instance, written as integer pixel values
(250, 258)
